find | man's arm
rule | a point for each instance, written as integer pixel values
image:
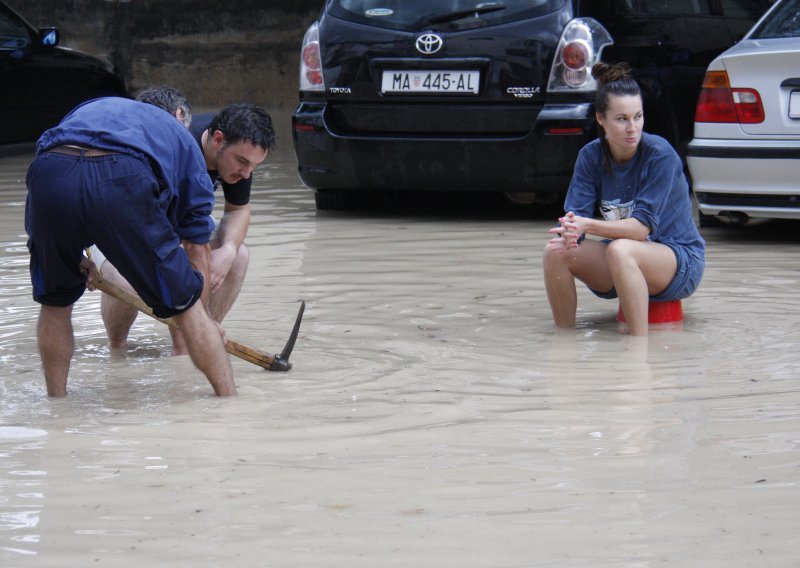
(200, 257)
(200, 330)
(231, 232)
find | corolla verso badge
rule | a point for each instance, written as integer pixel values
(429, 43)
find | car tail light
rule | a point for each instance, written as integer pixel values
(718, 102)
(581, 43)
(311, 78)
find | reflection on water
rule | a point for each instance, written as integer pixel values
(433, 416)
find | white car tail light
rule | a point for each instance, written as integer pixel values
(718, 102)
(579, 48)
(311, 78)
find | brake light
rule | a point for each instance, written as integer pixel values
(579, 48)
(576, 54)
(719, 102)
(311, 78)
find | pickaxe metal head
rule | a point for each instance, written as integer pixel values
(281, 361)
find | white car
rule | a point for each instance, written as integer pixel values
(744, 158)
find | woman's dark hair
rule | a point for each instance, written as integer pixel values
(617, 80)
(244, 122)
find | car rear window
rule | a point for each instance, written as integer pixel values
(783, 21)
(413, 15)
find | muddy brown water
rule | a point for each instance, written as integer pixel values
(432, 418)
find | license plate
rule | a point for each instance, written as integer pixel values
(794, 105)
(452, 82)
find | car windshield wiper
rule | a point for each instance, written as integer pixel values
(458, 14)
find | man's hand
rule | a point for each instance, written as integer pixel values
(231, 233)
(89, 268)
(221, 261)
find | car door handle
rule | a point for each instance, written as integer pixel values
(791, 83)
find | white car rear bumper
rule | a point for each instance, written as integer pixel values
(759, 178)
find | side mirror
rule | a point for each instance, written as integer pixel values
(49, 36)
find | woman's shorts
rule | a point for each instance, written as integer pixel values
(687, 277)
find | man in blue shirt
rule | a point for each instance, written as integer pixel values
(129, 178)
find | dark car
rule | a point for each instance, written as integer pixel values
(475, 95)
(41, 81)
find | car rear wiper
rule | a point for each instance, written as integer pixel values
(458, 14)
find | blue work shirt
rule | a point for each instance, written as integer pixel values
(152, 135)
(651, 187)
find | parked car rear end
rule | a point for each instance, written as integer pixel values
(745, 155)
(471, 95)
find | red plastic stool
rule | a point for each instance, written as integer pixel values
(660, 312)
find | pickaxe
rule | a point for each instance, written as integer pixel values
(278, 362)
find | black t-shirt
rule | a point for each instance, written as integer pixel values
(235, 193)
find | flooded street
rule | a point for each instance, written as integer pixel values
(432, 418)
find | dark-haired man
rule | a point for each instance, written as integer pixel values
(234, 141)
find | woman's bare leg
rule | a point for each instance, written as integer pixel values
(640, 269)
(562, 266)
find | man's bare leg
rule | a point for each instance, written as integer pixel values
(221, 300)
(206, 349)
(118, 317)
(56, 346)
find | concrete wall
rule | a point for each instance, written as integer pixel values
(214, 51)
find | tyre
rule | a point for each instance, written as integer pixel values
(333, 200)
(709, 221)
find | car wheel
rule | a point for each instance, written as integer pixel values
(531, 198)
(709, 221)
(520, 198)
(332, 200)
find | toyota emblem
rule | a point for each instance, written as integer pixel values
(429, 43)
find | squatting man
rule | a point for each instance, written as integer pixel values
(234, 142)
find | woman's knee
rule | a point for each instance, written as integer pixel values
(553, 258)
(620, 253)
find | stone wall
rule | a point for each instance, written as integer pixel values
(215, 52)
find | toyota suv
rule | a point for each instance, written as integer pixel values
(475, 95)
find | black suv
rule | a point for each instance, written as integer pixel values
(475, 95)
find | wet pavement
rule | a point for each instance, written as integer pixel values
(432, 418)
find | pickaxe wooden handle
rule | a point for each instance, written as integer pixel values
(278, 362)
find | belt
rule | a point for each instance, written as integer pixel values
(79, 151)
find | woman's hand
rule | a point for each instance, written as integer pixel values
(574, 226)
(569, 233)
